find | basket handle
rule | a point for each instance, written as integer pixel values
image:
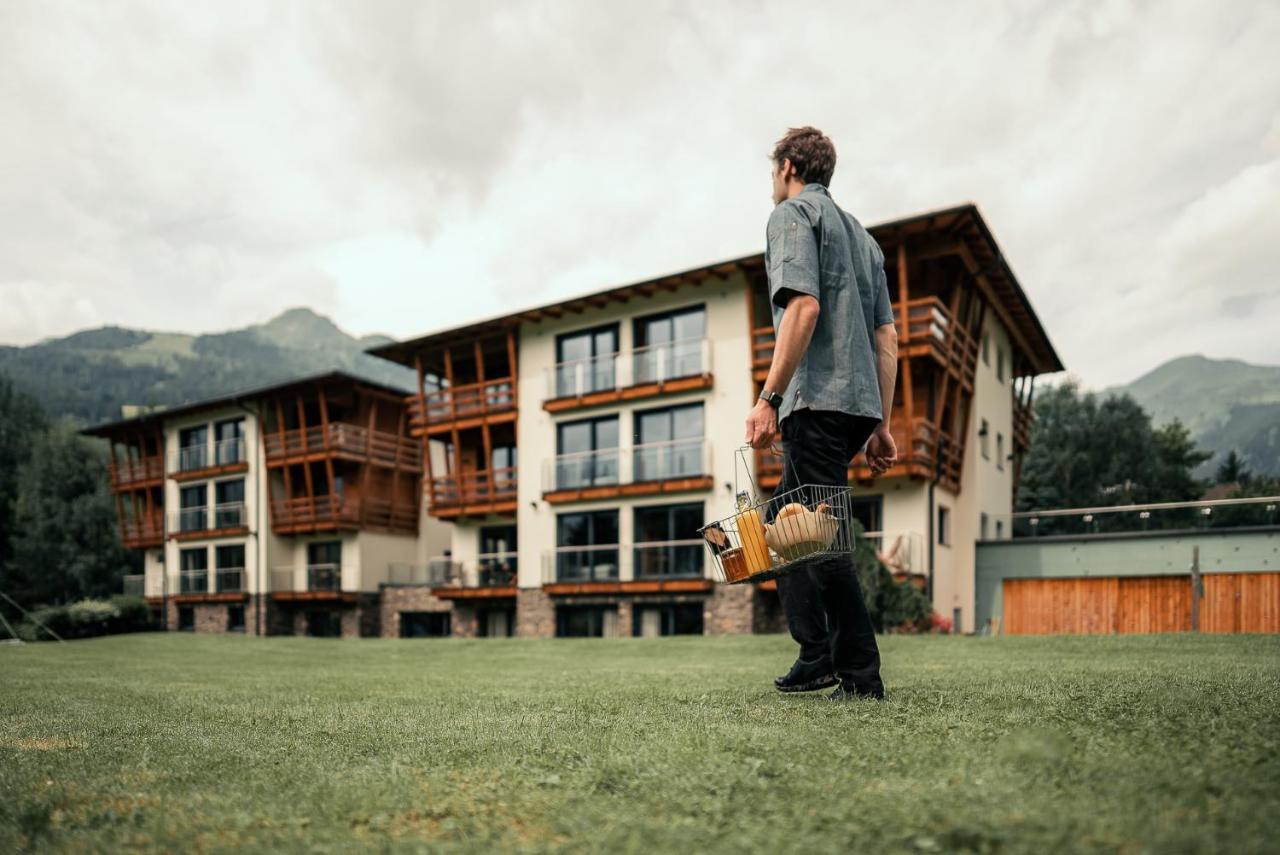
(740, 462)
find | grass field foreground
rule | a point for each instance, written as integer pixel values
(179, 742)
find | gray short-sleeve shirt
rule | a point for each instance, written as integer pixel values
(815, 248)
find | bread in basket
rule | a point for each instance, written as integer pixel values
(797, 531)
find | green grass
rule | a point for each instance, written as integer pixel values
(1131, 744)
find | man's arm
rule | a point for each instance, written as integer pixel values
(799, 319)
(887, 368)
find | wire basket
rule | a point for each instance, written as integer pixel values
(771, 538)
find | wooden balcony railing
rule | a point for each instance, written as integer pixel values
(344, 512)
(135, 471)
(142, 531)
(450, 493)
(348, 439)
(442, 406)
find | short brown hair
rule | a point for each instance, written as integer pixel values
(810, 151)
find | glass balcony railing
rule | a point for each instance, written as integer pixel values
(1137, 518)
(657, 461)
(656, 363)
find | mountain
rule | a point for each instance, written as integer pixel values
(1225, 403)
(88, 376)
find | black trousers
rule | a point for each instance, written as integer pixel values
(825, 609)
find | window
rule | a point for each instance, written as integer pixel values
(495, 623)
(982, 526)
(667, 619)
(1000, 364)
(1000, 451)
(999, 529)
(497, 559)
(502, 467)
(235, 619)
(944, 526)
(866, 510)
(193, 512)
(425, 625)
(587, 453)
(193, 448)
(324, 623)
(228, 442)
(984, 434)
(228, 507)
(186, 619)
(586, 621)
(986, 348)
(658, 531)
(588, 546)
(193, 565)
(669, 345)
(585, 361)
(668, 443)
(228, 562)
(324, 566)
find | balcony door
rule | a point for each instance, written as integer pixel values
(587, 546)
(324, 566)
(193, 448)
(193, 504)
(228, 442)
(194, 575)
(587, 453)
(229, 566)
(669, 443)
(670, 345)
(228, 509)
(585, 361)
(497, 555)
(660, 535)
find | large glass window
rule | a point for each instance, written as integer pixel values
(586, 621)
(228, 562)
(228, 442)
(587, 453)
(669, 443)
(587, 546)
(228, 507)
(497, 555)
(650, 621)
(424, 624)
(669, 345)
(193, 508)
(324, 566)
(585, 361)
(659, 534)
(194, 575)
(193, 448)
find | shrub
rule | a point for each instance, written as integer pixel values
(88, 618)
(890, 602)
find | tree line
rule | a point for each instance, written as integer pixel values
(59, 538)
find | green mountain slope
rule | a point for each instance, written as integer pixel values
(1225, 403)
(90, 375)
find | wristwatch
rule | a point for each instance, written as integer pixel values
(773, 399)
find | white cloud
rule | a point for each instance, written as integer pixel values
(404, 166)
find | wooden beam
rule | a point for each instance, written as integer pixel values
(328, 449)
(448, 379)
(306, 467)
(368, 457)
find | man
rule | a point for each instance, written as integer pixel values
(830, 387)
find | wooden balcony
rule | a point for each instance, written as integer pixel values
(471, 493)
(917, 460)
(464, 406)
(139, 473)
(322, 513)
(143, 532)
(345, 441)
(925, 328)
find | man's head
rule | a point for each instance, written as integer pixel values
(803, 156)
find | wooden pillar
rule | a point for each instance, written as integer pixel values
(368, 459)
(306, 464)
(487, 464)
(395, 473)
(448, 377)
(284, 452)
(328, 450)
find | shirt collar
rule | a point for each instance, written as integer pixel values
(815, 187)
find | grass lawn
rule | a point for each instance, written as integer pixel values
(176, 742)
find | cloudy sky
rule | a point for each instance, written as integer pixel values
(403, 167)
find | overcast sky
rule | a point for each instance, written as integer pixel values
(403, 167)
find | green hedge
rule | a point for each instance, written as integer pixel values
(88, 618)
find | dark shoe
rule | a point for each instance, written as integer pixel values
(846, 693)
(806, 677)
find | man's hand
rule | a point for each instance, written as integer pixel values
(881, 451)
(762, 425)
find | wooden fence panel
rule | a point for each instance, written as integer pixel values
(1233, 602)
